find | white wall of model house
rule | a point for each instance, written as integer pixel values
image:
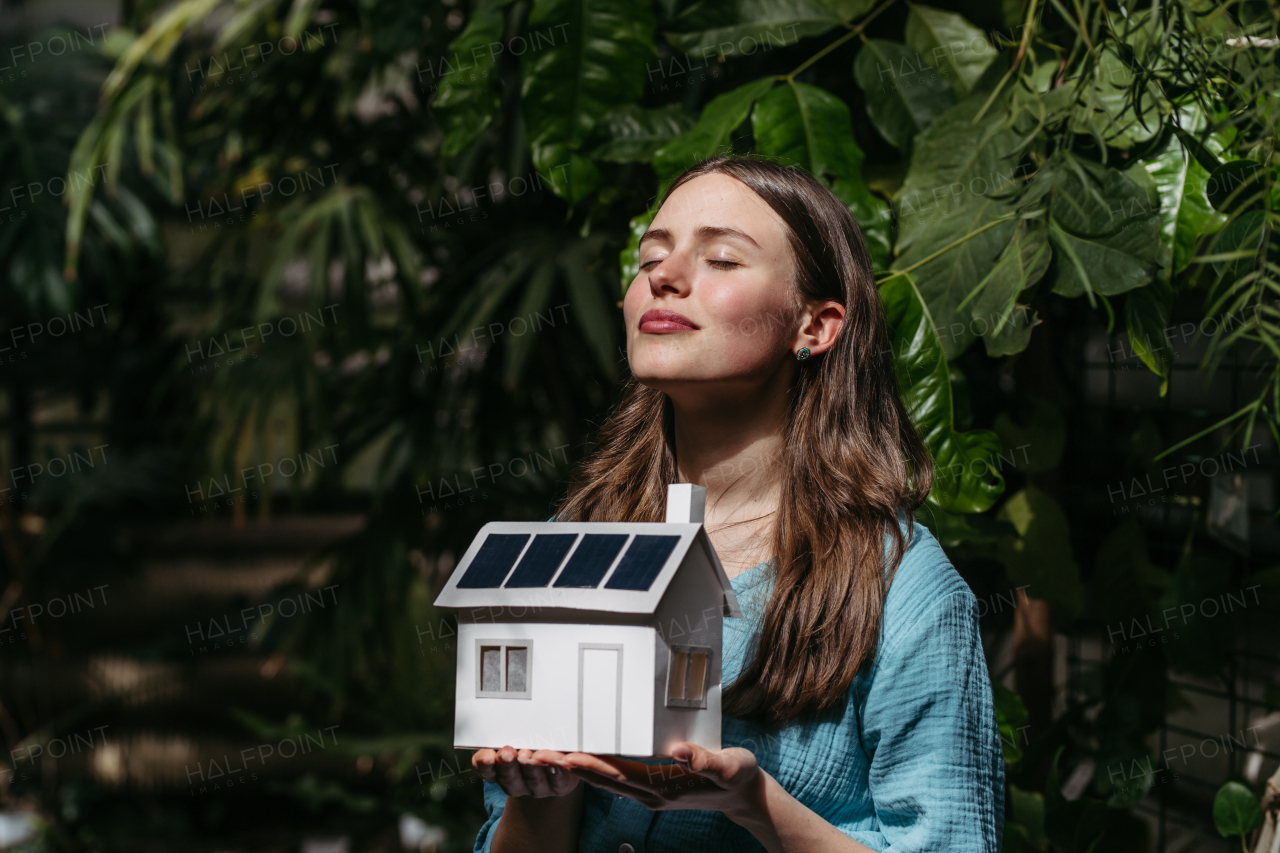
(568, 660)
(623, 658)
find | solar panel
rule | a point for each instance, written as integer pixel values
(493, 560)
(538, 565)
(591, 560)
(642, 563)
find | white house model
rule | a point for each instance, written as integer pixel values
(591, 636)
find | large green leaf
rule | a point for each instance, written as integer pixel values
(1005, 325)
(810, 127)
(466, 79)
(952, 226)
(1236, 810)
(635, 133)
(596, 65)
(744, 27)
(1028, 814)
(956, 47)
(874, 217)
(967, 479)
(710, 136)
(904, 93)
(1106, 228)
(1039, 556)
(1196, 217)
(962, 250)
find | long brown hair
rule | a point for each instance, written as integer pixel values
(851, 460)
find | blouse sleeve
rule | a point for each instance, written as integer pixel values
(495, 800)
(937, 771)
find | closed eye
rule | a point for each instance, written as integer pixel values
(724, 265)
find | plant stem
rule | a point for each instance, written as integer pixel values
(853, 31)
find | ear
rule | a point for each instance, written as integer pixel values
(820, 325)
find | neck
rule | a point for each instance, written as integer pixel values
(733, 448)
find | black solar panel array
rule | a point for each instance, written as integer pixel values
(539, 563)
(587, 566)
(493, 560)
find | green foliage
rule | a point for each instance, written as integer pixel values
(1236, 811)
(1036, 440)
(1025, 828)
(710, 135)
(1110, 153)
(934, 33)
(565, 92)
(1039, 555)
(967, 482)
(1011, 717)
(904, 96)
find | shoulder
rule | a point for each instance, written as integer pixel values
(923, 591)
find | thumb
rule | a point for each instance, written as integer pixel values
(697, 759)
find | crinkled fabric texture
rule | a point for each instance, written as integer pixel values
(911, 763)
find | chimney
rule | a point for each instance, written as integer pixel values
(685, 503)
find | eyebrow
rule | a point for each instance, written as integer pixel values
(703, 231)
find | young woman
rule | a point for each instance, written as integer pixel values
(858, 713)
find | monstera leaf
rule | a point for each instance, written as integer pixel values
(567, 89)
(967, 479)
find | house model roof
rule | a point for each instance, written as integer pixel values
(617, 567)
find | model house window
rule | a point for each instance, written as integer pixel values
(687, 675)
(502, 668)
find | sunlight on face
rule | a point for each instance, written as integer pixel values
(717, 256)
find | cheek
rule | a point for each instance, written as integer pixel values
(756, 315)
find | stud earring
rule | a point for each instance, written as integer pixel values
(803, 353)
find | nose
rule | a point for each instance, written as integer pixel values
(671, 276)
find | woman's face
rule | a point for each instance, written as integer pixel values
(714, 296)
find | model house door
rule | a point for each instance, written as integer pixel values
(600, 699)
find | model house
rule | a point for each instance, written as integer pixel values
(591, 636)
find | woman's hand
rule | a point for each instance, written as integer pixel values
(525, 773)
(728, 781)
(543, 811)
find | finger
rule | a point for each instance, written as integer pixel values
(696, 759)
(534, 774)
(482, 762)
(508, 772)
(560, 776)
(615, 768)
(535, 779)
(720, 766)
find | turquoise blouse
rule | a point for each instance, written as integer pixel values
(911, 763)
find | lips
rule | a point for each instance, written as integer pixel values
(665, 321)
